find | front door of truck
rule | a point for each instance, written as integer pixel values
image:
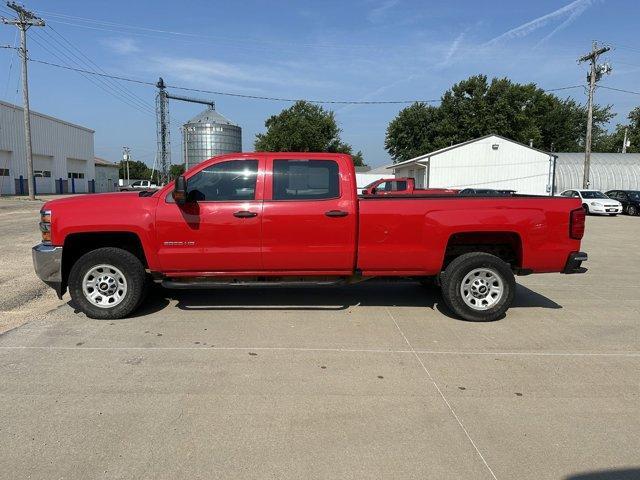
(218, 229)
(309, 216)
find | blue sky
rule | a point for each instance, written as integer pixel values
(343, 50)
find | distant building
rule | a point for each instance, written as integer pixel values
(63, 159)
(107, 174)
(608, 171)
(491, 161)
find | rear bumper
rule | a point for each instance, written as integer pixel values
(574, 263)
(47, 262)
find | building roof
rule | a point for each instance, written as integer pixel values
(104, 163)
(210, 116)
(446, 149)
(381, 170)
(42, 115)
(596, 157)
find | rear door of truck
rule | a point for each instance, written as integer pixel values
(309, 215)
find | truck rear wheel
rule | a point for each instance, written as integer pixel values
(107, 283)
(478, 287)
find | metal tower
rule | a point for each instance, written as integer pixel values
(164, 137)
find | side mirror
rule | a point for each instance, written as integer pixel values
(374, 190)
(365, 192)
(180, 190)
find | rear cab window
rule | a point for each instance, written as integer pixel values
(305, 179)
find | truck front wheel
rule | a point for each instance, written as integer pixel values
(478, 287)
(107, 283)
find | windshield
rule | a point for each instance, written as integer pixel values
(593, 195)
(372, 184)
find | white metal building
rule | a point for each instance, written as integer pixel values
(63, 159)
(107, 174)
(491, 161)
(608, 171)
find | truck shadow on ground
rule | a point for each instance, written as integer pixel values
(613, 474)
(372, 293)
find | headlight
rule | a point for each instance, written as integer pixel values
(596, 204)
(45, 226)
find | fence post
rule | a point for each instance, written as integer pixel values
(73, 185)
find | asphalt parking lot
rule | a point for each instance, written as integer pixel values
(370, 381)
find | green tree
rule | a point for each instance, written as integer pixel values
(176, 171)
(304, 127)
(613, 142)
(137, 170)
(475, 107)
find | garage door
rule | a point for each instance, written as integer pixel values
(77, 175)
(42, 168)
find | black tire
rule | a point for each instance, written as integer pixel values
(632, 210)
(586, 208)
(451, 281)
(130, 266)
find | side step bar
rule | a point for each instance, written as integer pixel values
(206, 284)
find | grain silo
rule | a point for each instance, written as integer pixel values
(209, 134)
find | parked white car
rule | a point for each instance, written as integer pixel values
(595, 202)
(139, 185)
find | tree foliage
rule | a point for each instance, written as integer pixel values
(613, 142)
(304, 127)
(475, 107)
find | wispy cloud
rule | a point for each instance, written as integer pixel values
(233, 76)
(453, 49)
(121, 45)
(377, 13)
(569, 12)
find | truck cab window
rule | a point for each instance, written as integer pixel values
(305, 179)
(225, 181)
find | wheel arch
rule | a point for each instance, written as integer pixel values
(506, 245)
(77, 244)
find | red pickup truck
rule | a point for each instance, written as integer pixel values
(402, 186)
(285, 219)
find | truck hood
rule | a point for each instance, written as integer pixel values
(93, 199)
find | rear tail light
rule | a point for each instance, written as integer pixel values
(576, 224)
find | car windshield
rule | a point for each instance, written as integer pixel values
(590, 194)
(372, 184)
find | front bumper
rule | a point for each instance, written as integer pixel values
(47, 261)
(574, 263)
(604, 210)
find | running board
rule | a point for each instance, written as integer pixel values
(235, 283)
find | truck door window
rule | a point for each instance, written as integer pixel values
(401, 186)
(225, 181)
(305, 179)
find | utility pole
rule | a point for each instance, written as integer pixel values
(595, 73)
(126, 151)
(25, 20)
(625, 141)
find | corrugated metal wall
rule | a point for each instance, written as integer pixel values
(608, 171)
(50, 137)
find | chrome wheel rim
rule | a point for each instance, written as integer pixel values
(482, 288)
(104, 286)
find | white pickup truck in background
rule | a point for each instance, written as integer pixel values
(139, 185)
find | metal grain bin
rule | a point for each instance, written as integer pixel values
(209, 134)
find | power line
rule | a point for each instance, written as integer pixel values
(91, 79)
(125, 90)
(112, 86)
(260, 97)
(619, 90)
(228, 94)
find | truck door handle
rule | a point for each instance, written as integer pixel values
(245, 214)
(336, 213)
